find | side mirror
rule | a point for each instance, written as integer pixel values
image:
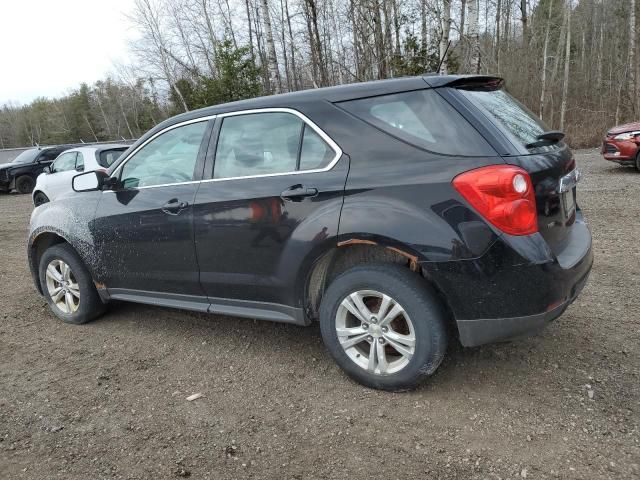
(47, 169)
(88, 182)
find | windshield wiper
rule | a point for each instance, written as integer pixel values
(546, 138)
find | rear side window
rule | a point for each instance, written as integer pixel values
(424, 119)
(268, 143)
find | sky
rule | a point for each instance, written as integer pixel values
(48, 47)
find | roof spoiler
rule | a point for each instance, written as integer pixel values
(466, 82)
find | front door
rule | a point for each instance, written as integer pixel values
(144, 226)
(275, 195)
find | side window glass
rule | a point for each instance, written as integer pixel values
(315, 153)
(257, 144)
(79, 162)
(168, 158)
(64, 163)
(424, 119)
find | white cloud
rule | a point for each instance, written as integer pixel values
(48, 47)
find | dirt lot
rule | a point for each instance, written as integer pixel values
(108, 399)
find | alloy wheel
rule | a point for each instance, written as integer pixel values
(62, 286)
(375, 332)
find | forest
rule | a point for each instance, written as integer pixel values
(572, 62)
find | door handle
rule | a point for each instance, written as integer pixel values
(298, 192)
(174, 206)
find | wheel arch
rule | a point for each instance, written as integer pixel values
(353, 251)
(39, 243)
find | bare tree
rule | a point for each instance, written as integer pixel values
(567, 65)
(444, 37)
(272, 59)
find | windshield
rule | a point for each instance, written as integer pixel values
(27, 156)
(521, 125)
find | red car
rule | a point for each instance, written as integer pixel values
(622, 145)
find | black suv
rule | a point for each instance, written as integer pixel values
(398, 214)
(23, 171)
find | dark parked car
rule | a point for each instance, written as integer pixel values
(23, 171)
(399, 214)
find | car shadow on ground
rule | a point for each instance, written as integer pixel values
(495, 363)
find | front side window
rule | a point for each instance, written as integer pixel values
(268, 143)
(64, 163)
(422, 118)
(169, 158)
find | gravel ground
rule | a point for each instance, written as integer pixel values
(108, 399)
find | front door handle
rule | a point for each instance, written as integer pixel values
(298, 192)
(174, 206)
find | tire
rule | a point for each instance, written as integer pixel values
(25, 184)
(87, 303)
(637, 162)
(39, 198)
(426, 324)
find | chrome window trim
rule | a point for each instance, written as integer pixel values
(334, 146)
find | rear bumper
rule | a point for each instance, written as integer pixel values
(479, 332)
(517, 287)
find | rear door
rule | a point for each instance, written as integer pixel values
(144, 227)
(274, 195)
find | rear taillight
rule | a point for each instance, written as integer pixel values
(503, 195)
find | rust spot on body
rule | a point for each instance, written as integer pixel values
(356, 241)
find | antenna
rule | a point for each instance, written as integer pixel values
(444, 56)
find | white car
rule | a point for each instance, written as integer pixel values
(56, 179)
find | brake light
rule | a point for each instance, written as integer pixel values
(503, 195)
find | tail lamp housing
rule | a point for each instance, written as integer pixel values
(503, 195)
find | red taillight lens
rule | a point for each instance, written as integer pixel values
(503, 195)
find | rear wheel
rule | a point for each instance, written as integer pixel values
(637, 162)
(68, 286)
(384, 326)
(25, 184)
(39, 198)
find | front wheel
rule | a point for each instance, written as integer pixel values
(384, 326)
(67, 285)
(25, 184)
(637, 162)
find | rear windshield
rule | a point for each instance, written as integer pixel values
(422, 118)
(107, 157)
(521, 125)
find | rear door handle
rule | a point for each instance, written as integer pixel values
(174, 206)
(298, 192)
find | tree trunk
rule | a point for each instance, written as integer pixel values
(545, 51)
(567, 64)
(474, 38)
(272, 59)
(498, 16)
(444, 39)
(632, 53)
(293, 53)
(463, 11)
(524, 20)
